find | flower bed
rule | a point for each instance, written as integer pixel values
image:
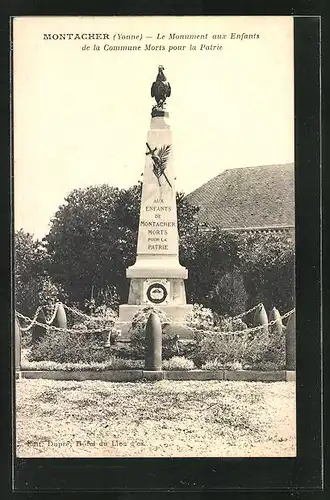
(222, 344)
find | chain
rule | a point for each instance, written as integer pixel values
(54, 314)
(247, 312)
(76, 330)
(238, 332)
(82, 315)
(257, 328)
(33, 321)
(73, 310)
(64, 330)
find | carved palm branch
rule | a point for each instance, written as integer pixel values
(160, 163)
(163, 155)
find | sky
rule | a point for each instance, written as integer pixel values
(81, 117)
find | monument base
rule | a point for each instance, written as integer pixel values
(155, 266)
(176, 313)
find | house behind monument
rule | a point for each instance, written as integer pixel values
(249, 200)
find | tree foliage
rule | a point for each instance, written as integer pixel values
(213, 263)
(86, 242)
(33, 286)
(268, 269)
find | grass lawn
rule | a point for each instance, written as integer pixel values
(165, 418)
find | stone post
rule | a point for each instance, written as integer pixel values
(17, 346)
(290, 342)
(60, 320)
(260, 318)
(153, 353)
(277, 328)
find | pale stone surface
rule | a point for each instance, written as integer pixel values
(290, 376)
(158, 243)
(108, 375)
(175, 312)
(132, 375)
(254, 375)
(193, 375)
(157, 276)
(175, 289)
(152, 375)
(17, 345)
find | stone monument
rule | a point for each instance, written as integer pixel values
(157, 278)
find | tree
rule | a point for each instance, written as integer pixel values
(267, 262)
(29, 255)
(33, 286)
(211, 257)
(83, 243)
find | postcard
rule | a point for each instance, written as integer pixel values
(154, 236)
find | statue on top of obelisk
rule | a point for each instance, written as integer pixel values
(157, 277)
(160, 90)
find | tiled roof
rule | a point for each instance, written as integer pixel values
(247, 197)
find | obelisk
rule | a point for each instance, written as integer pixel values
(157, 277)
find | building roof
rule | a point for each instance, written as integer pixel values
(247, 197)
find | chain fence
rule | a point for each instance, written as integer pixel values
(245, 313)
(47, 325)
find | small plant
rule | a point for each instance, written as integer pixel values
(111, 364)
(200, 318)
(212, 366)
(228, 324)
(267, 366)
(216, 365)
(236, 365)
(141, 317)
(178, 363)
(124, 364)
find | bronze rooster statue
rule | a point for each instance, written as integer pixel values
(160, 89)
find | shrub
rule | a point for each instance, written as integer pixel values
(68, 348)
(215, 365)
(178, 363)
(124, 364)
(266, 366)
(33, 286)
(106, 297)
(212, 366)
(112, 364)
(222, 348)
(26, 338)
(200, 318)
(242, 349)
(228, 324)
(228, 295)
(211, 255)
(136, 350)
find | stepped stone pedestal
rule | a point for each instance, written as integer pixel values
(157, 278)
